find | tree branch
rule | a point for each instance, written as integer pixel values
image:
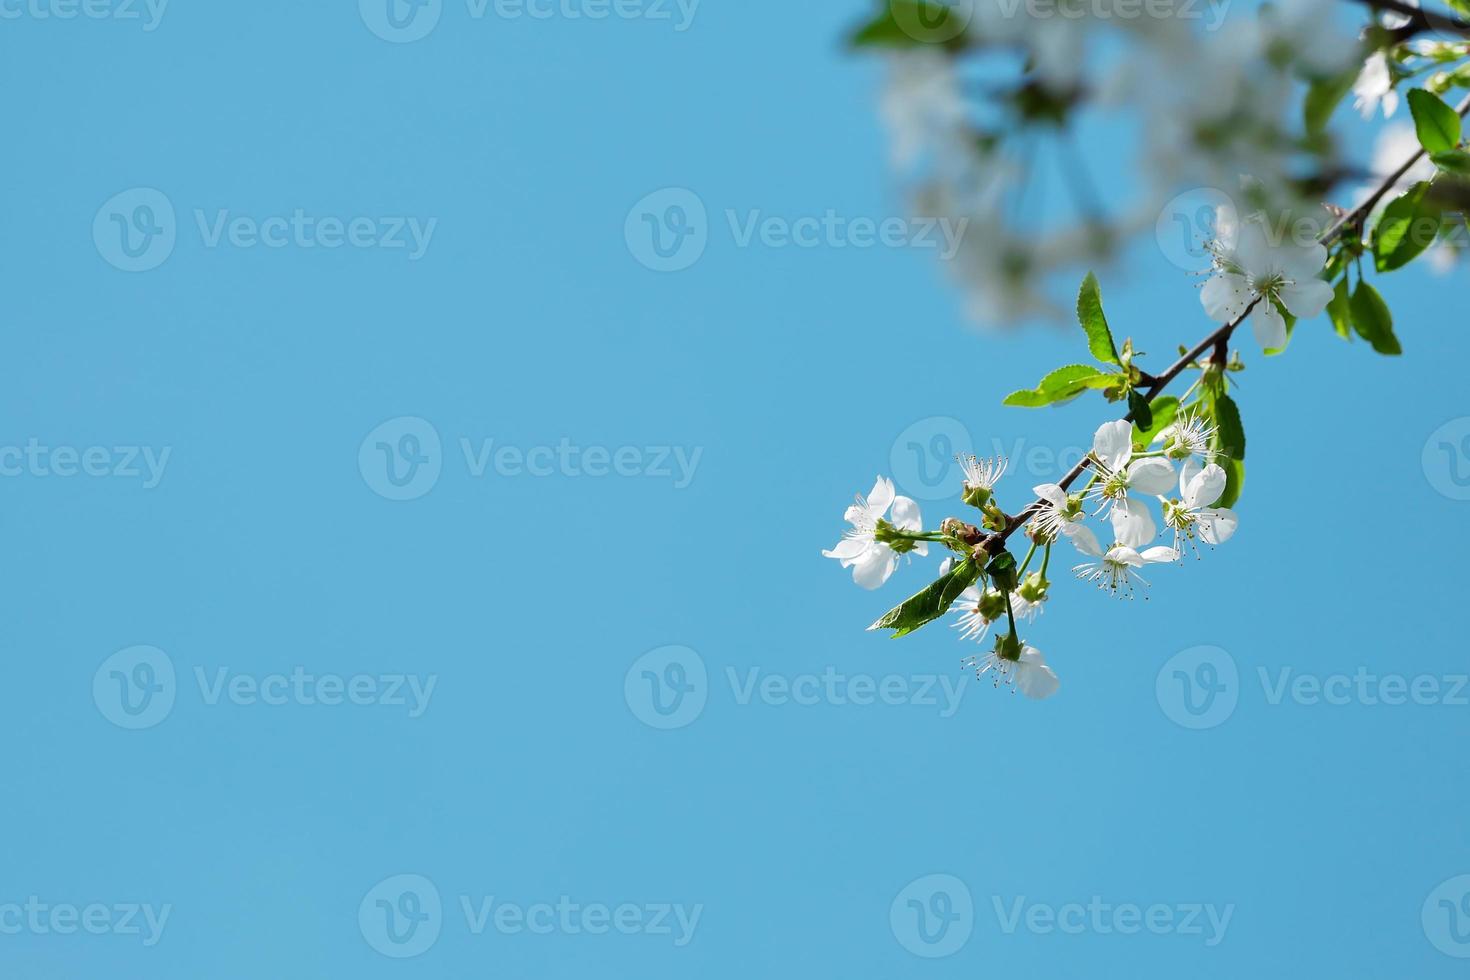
(1220, 337)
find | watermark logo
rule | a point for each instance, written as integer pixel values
(401, 459)
(1446, 459)
(1189, 222)
(933, 916)
(667, 688)
(36, 459)
(135, 688)
(135, 231)
(35, 917)
(401, 21)
(923, 458)
(401, 916)
(1446, 917)
(930, 21)
(668, 230)
(1199, 688)
(148, 12)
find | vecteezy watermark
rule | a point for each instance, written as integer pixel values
(148, 13)
(925, 465)
(1212, 12)
(137, 688)
(117, 462)
(668, 688)
(1446, 459)
(1200, 688)
(403, 458)
(405, 21)
(403, 916)
(669, 230)
(1446, 917)
(34, 917)
(933, 916)
(137, 230)
(1098, 917)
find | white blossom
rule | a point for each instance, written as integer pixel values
(1119, 472)
(1030, 675)
(873, 561)
(1194, 513)
(1253, 271)
(1115, 569)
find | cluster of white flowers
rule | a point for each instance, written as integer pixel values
(1124, 476)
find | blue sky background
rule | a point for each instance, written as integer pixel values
(538, 768)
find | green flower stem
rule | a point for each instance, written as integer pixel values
(1027, 562)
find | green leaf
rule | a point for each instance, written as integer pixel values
(1437, 124)
(1340, 312)
(1234, 482)
(1060, 385)
(1455, 162)
(1090, 315)
(1002, 571)
(1372, 319)
(1143, 413)
(913, 24)
(1165, 409)
(1406, 229)
(930, 603)
(1323, 97)
(1230, 433)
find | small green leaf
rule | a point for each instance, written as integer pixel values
(1340, 311)
(1406, 229)
(1455, 162)
(1090, 315)
(913, 24)
(1323, 97)
(1142, 411)
(1234, 482)
(1165, 409)
(1002, 571)
(931, 602)
(1437, 124)
(1230, 433)
(1060, 385)
(1372, 319)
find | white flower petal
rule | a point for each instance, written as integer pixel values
(1133, 525)
(847, 549)
(1306, 298)
(1217, 526)
(1253, 250)
(880, 497)
(1160, 554)
(1084, 539)
(906, 514)
(1123, 555)
(1034, 678)
(874, 568)
(1051, 493)
(1269, 326)
(1225, 297)
(1154, 475)
(1113, 443)
(1205, 488)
